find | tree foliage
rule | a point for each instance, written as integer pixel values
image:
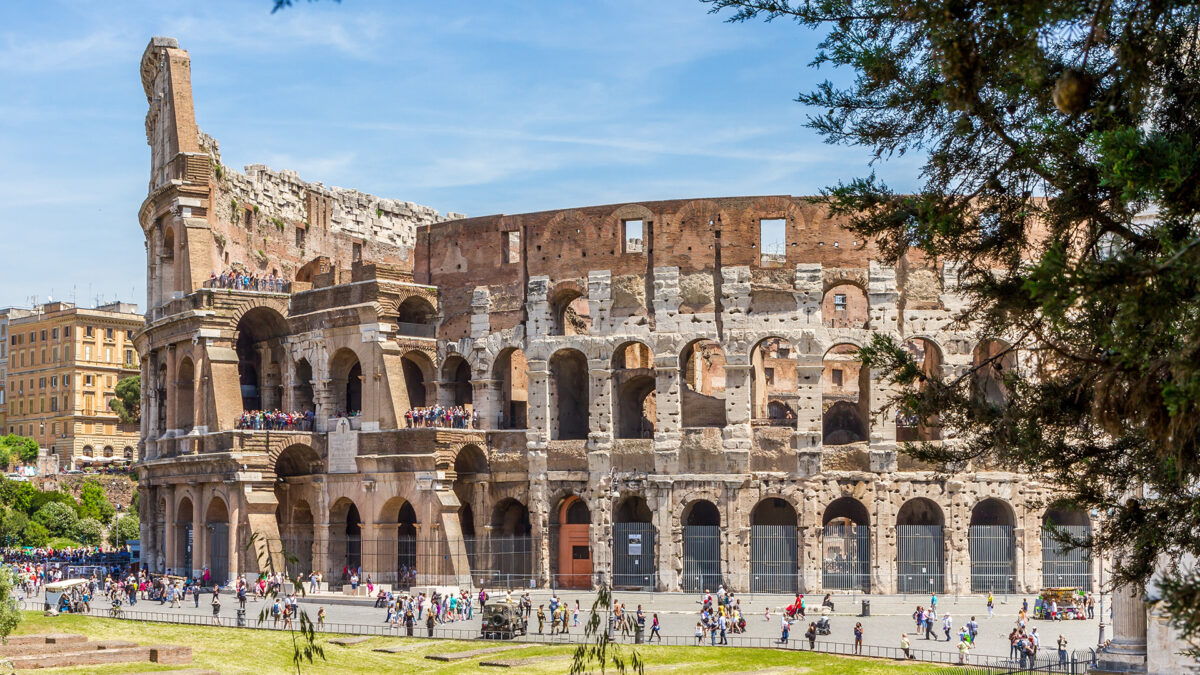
(10, 612)
(128, 528)
(93, 503)
(128, 400)
(598, 648)
(88, 531)
(1060, 181)
(59, 519)
(23, 448)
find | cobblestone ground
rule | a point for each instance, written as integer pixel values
(678, 614)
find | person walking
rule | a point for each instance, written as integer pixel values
(964, 650)
(654, 629)
(723, 625)
(929, 626)
(1062, 650)
(196, 594)
(991, 605)
(409, 621)
(858, 637)
(947, 624)
(933, 605)
(905, 645)
(785, 627)
(429, 622)
(973, 629)
(542, 620)
(811, 635)
(216, 606)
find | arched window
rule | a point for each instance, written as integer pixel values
(569, 385)
(633, 382)
(702, 368)
(845, 389)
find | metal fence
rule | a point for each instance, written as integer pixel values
(921, 562)
(1076, 663)
(633, 564)
(701, 557)
(773, 559)
(983, 665)
(993, 563)
(846, 558)
(1064, 567)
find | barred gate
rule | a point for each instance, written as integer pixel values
(218, 552)
(633, 555)
(1063, 567)
(920, 563)
(773, 561)
(503, 561)
(993, 563)
(846, 558)
(701, 557)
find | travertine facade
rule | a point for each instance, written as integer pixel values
(666, 394)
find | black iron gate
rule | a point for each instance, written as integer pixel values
(701, 557)
(1064, 567)
(846, 558)
(218, 552)
(920, 563)
(992, 559)
(773, 559)
(633, 555)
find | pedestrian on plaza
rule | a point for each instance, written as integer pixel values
(575, 614)
(946, 625)
(811, 636)
(905, 645)
(933, 605)
(216, 606)
(973, 629)
(542, 620)
(722, 625)
(858, 636)
(700, 633)
(1013, 638)
(429, 622)
(196, 594)
(991, 604)
(1036, 640)
(654, 629)
(409, 620)
(241, 594)
(785, 628)
(1091, 606)
(1062, 649)
(919, 618)
(963, 652)
(320, 617)
(929, 626)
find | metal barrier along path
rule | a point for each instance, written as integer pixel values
(846, 558)
(993, 561)
(773, 559)
(701, 557)
(921, 561)
(633, 556)
(1064, 567)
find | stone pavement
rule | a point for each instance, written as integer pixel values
(891, 615)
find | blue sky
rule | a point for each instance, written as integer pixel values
(479, 108)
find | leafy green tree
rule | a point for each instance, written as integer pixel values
(59, 519)
(88, 531)
(35, 534)
(17, 495)
(24, 448)
(128, 527)
(135, 503)
(12, 526)
(128, 400)
(10, 612)
(40, 499)
(1061, 176)
(93, 503)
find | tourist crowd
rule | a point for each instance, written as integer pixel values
(442, 417)
(243, 281)
(276, 420)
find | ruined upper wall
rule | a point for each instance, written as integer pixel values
(202, 217)
(700, 237)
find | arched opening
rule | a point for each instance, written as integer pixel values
(415, 311)
(166, 266)
(510, 545)
(302, 388)
(297, 460)
(87, 451)
(929, 360)
(160, 402)
(128, 453)
(574, 565)
(846, 546)
(921, 554)
(571, 313)
(701, 546)
(845, 306)
(1063, 564)
(511, 372)
(406, 546)
(992, 547)
(108, 451)
(298, 534)
(702, 397)
(633, 545)
(773, 386)
(216, 521)
(345, 382)
(260, 350)
(184, 395)
(418, 370)
(184, 539)
(774, 556)
(569, 391)
(470, 483)
(345, 540)
(456, 381)
(633, 382)
(993, 361)
(844, 397)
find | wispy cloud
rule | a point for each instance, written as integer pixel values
(36, 55)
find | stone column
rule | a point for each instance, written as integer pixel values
(172, 390)
(1127, 651)
(169, 535)
(667, 424)
(541, 421)
(233, 548)
(198, 535)
(600, 404)
(486, 397)
(737, 436)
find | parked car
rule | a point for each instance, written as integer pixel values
(502, 621)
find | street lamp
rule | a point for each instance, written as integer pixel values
(1094, 513)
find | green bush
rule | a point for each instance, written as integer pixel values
(59, 519)
(41, 499)
(35, 534)
(13, 523)
(89, 531)
(93, 503)
(128, 527)
(17, 495)
(62, 542)
(26, 449)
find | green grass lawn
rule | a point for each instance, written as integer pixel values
(229, 650)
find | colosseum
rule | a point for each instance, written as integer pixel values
(660, 395)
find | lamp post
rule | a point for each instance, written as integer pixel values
(1100, 642)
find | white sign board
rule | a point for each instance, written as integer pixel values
(635, 544)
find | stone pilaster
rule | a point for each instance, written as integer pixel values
(668, 422)
(537, 306)
(542, 422)
(736, 436)
(600, 300)
(667, 299)
(600, 404)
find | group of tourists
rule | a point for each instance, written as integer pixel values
(276, 420)
(442, 417)
(720, 615)
(563, 618)
(243, 281)
(409, 609)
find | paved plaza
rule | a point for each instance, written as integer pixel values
(678, 614)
